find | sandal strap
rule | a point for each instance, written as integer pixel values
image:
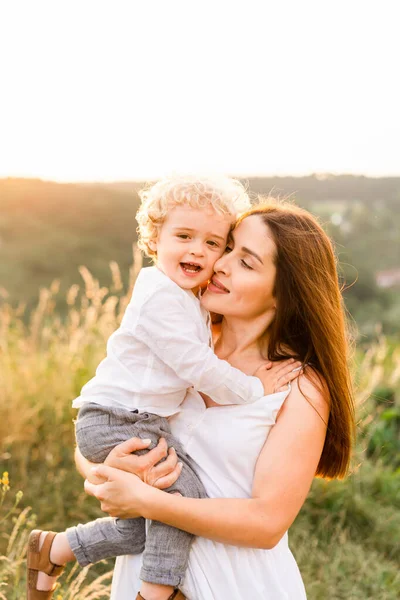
(33, 593)
(176, 595)
(40, 559)
(44, 595)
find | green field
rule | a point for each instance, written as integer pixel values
(347, 537)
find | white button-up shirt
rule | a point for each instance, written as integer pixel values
(162, 348)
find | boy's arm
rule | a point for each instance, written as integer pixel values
(170, 332)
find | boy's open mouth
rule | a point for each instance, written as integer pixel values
(190, 267)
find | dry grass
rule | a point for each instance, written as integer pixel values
(346, 539)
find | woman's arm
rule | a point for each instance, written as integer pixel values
(283, 476)
(83, 466)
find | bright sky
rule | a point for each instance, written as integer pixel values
(119, 90)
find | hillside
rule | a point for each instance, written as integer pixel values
(47, 230)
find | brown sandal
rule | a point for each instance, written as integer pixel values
(176, 595)
(39, 560)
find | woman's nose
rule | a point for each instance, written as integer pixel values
(221, 265)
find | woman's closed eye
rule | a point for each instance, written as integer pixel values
(183, 236)
(245, 265)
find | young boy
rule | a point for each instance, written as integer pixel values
(162, 348)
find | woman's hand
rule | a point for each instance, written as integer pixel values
(121, 494)
(146, 466)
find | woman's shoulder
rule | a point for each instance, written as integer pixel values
(309, 395)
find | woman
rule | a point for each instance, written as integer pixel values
(277, 289)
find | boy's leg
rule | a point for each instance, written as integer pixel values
(166, 555)
(106, 538)
(98, 430)
(167, 548)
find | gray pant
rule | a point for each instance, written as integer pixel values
(166, 549)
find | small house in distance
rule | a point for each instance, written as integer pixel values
(388, 279)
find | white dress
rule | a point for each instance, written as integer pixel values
(225, 442)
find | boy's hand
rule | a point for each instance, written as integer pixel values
(276, 376)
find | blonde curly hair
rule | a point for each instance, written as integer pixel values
(225, 195)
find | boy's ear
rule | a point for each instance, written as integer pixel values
(153, 245)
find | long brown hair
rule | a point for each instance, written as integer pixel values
(310, 320)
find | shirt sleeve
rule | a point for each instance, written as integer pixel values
(167, 327)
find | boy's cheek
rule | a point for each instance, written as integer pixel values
(221, 252)
(210, 267)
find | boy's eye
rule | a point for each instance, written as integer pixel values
(183, 236)
(213, 244)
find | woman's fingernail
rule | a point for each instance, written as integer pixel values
(173, 449)
(180, 465)
(146, 441)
